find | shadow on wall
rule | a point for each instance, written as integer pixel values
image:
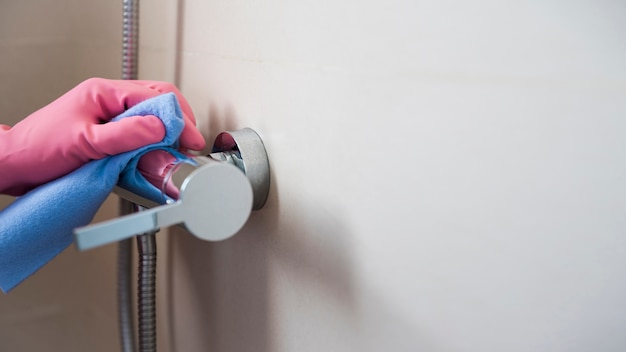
(217, 300)
(224, 295)
(282, 281)
(218, 120)
(220, 293)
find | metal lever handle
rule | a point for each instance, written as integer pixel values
(215, 202)
(128, 226)
(216, 195)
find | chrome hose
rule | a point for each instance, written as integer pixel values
(124, 295)
(130, 39)
(146, 297)
(130, 48)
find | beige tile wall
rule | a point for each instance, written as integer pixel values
(448, 176)
(46, 47)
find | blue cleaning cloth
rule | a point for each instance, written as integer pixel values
(39, 225)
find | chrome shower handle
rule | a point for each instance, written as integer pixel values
(215, 202)
(216, 197)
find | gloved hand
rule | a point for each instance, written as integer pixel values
(75, 129)
(155, 166)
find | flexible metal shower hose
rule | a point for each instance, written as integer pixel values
(130, 39)
(130, 31)
(124, 295)
(146, 298)
(146, 243)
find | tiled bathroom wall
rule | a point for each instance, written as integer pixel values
(47, 47)
(447, 175)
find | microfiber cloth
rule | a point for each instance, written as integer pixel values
(39, 225)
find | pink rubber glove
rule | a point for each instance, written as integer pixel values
(155, 166)
(75, 129)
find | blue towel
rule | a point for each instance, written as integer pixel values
(39, 225)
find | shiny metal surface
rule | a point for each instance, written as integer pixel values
(217, 194)
(146, 292)
(130, 39)
(130, 49)
(215, 202)
(248, 153)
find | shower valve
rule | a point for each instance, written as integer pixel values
(217, 194)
